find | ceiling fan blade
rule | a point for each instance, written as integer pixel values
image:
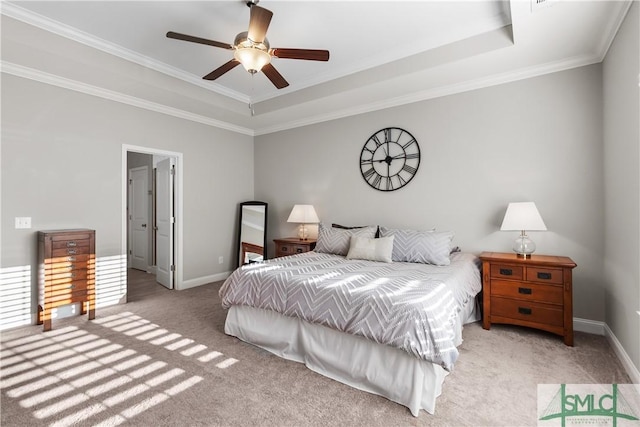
(308, 54)
(275, 77)
(187, 38)
(221, 70)
(259, 23)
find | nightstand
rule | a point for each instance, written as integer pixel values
(293, 245)
(534, 292)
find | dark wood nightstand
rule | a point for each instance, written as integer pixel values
(293, 245)
(534, 292)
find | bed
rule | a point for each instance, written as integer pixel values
(388, 328)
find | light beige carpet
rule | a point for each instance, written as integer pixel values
(163, 360)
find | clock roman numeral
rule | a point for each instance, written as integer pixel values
(368, 173)
(376, 181)
(413, 141)
(387, 135)
(412, 156)
(376, 140)
(409, 169)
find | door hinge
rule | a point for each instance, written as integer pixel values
(173, 170)
(130, 181)
(173, 268)
(130, 253)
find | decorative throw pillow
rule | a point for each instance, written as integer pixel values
(426, 247)
(371, 249)
(337, 240)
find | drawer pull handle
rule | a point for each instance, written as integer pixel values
(71, 258)
(544, 276)
(524, 291)
(72, 251)
(71, 244)
(73, 274)
(523, 310)
(285, 249)
(71, 286)
(299, 250)
(506, 272)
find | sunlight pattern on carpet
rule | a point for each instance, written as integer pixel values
(135, 326)
(69, 375)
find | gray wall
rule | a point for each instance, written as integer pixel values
(62, 166)
(534, 140)
(621, 73)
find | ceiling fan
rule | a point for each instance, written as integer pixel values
(252, 50)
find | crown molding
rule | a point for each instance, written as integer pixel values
(16, 12)
(494, 80)
(51, 79)
(612, 29)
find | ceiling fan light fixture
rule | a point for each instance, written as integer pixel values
(251, 58)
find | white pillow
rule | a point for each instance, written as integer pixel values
(337, 240)
(371, 249)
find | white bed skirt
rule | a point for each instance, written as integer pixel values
(352, 360)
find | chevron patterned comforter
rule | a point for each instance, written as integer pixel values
(411, 306)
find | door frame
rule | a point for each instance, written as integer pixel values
(178, 201)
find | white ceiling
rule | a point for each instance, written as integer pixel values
(383, 53)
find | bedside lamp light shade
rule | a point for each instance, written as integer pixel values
(303, 214)
(523, 216)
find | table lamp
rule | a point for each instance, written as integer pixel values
(303, 214)
(523, 216)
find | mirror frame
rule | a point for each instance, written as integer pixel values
(239, 239)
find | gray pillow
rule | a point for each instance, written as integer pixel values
(337, 240)
(426, 247)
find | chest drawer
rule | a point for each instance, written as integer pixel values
(285, 250)
(70, 247)
(527, 311)
(505, 271)
(545, 275)
(527, 291)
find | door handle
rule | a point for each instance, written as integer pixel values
(144, 225)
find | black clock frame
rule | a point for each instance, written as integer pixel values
(376, 152)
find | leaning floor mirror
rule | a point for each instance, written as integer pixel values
(252, 232)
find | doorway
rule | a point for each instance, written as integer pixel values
(152, 213)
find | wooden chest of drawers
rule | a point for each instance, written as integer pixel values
(534, 292)
(293, 245)
(66, 271)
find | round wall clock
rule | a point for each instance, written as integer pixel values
(389, 159)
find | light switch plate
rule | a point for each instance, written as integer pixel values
(23, 222)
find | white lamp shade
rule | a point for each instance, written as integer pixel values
(522, 216)
(303, 214)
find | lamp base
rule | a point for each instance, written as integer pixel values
(303, 234)
(523, 246)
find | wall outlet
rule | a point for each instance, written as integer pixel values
(23, 222)
(220, 260)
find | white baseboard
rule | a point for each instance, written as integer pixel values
(588, 326)
(624, 358)
(601, 328)
(192, 283)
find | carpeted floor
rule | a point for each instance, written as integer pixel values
(163, 360)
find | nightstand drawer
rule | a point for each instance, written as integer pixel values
(527, 291)
(503, 271)
(528, 311)
(544, 275)
(293, 246)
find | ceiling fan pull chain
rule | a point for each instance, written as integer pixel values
(251, 96)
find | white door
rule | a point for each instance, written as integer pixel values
(165, 222)
(139, 218)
